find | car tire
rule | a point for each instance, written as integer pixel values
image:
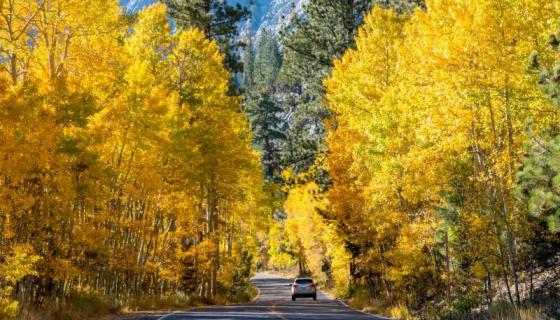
(315, 297)
(293, 298)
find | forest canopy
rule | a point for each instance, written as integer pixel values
(403, 153)
(126, 169)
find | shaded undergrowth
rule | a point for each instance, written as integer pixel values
(95, 306)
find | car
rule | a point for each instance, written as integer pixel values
(304, 288)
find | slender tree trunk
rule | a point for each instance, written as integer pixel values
(447, 268)
(13, 68)
(208, 27)
(531, 284)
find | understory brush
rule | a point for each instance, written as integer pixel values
(365, 301)
(75, 306)
(85, 306)
(505, 311)
(465, 309)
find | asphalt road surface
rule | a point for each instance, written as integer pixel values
(273, 302)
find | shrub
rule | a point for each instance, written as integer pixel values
(76, 306)
(400, 312)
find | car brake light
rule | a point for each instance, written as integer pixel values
(313, 285)
(294, 285)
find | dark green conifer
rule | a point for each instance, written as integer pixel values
(539, 179)
(219, 21)
(310, 45)
(267, 62)
(263, 112)
(261, 104)
(248, 67)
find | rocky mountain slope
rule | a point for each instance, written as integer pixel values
(270, 14)
(274, 14)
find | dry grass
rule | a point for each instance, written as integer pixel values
(162, 303)
(503, 311)
(361, 300)
(90, 306)
(77, 306)
(510, 312)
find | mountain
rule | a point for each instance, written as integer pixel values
(274, 15)
(270, 14)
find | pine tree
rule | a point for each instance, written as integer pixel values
(540, 176)
(262, 103)
(401, 6)
(248, 66)
(267, 62)
(311, 43)
(217, 19)
(263, 112)
(323, 33)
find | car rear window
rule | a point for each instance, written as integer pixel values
(304, 281)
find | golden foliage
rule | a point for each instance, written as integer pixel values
(430, 113)
(125, 167)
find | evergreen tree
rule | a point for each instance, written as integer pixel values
(401, 6)
(267, 62)
(248, 66)
(540, 177)
(263, 112)
(538, 180)
(323, 33)
(311, 43)
(262, 105)
(305, 136)
(217, 19)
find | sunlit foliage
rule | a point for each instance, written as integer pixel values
(430, 121)
(125, 168)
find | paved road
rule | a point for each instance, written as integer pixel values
(273, 302)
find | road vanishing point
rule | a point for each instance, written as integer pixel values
(273, 302)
